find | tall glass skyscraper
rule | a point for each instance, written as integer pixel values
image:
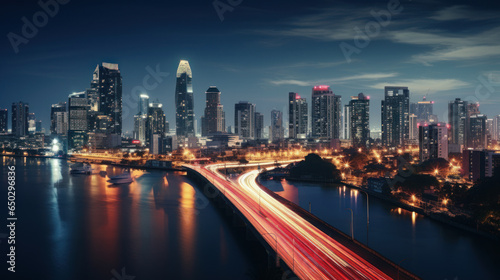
(4, 117)
(140, 119)
(20, 116)
(297, 116)
(396, 116)
(458, 119)
(276, 133)
(77, 129)
(358, 115)
(326, 113)
(106, 91)
(58, 119)
(213, 120)
(184, 117)
(244, 120)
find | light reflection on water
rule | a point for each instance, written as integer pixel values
(82, 227)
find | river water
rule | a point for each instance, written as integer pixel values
(428, 248)
(158, 227)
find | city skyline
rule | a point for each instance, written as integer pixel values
(425, 60)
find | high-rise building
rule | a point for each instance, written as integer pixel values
(20, 115)
(244, 120)
(141, 119)
(38, 126)
(156, 121)
(458, 120)
(213, 121)
(326, 113)
(477, 132)
(395, 116)
(495, 131)
(184, 102)
(359, 118)
(143, 104)
(31, 123)
(479, 164)
(347, 122)
(433, 141)
(106, 91)
(413, 127)
(423, 109)
(59, 119)
(297, 116)
(77, 123)
(259, 125)
(276, 133)
(4, 119)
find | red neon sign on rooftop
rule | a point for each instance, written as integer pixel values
(322, 87)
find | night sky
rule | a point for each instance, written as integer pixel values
(259, 52)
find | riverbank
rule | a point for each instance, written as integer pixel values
(443, 218)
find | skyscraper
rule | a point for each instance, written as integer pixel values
(20, 113)
(184, 117)
(106, 90)
(213, 120)
(4, 118)
(495, 131)
(423, 109)
(477, 132)
(244, 120)
(395, 116)
(359, 116)
(277, 132)
(433, 141)
(156, 124)
(31, 123)
(259, 125)
(297, 116)
(58, 119)
(458, 120)
(77, 124)
(326, 113)
(140, 119)
(414, 131)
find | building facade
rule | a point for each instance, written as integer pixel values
(105, 95)
(297, 116)
(395, 116)
(77, 120)
(277, 132)
(214, 120)
(326, 113)
(19, 118)
(359, 120)
(433, 141)
(184, 102)
(244, 120)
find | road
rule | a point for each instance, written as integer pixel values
(308, 251)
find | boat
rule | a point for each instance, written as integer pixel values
(81, 168)
(124, 178)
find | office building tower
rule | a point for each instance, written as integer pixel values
(277, 132)
(31, 123)
(477, 137)
(495, 130)
(347, 122)
(38, 126)
(433, 141)
(156, 121)
(259, 125)
(395, 116)
(359, 120)
(297, 116)
(184, 102)
(458, 120)
(480, 164)
(326, 113)
(143, 104)
(423, 109)
(414, 127)
(106, 91)
(4, 118)
(77, 120)
(59, 119)
(213, 121)
(244, 120)
(19, 118)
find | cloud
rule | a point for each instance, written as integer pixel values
(462, 12)
(360, 77)
(457, 53)
(422, 86)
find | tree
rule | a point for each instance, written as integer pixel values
(416, 183)
(315, 167)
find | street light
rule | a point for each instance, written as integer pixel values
(367, 214)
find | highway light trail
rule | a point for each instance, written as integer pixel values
(308, 251)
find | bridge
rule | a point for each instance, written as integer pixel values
(311, 248)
